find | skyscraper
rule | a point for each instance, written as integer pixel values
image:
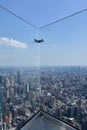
(18, 78)
(8, 87)
(0, 80)
(27, 87)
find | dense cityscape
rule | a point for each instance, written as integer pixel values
(60, 91)
(43, 68)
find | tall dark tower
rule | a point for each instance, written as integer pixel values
(18, 78)
(0, 80)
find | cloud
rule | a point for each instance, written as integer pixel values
(11, 42)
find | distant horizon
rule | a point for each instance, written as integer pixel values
(44, 66)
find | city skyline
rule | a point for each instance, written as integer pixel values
(58, 91)
(64, 42)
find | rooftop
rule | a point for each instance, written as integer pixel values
(44, 121)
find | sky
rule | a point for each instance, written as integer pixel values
(65, 42)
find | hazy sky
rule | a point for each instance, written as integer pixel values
(65, 42)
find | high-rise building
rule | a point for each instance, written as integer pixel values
(7, 83)
(40, 89)
(12, 81)
(8, 94)
(18, 78)
(8, 87)
(27, 87)
(0, 80)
